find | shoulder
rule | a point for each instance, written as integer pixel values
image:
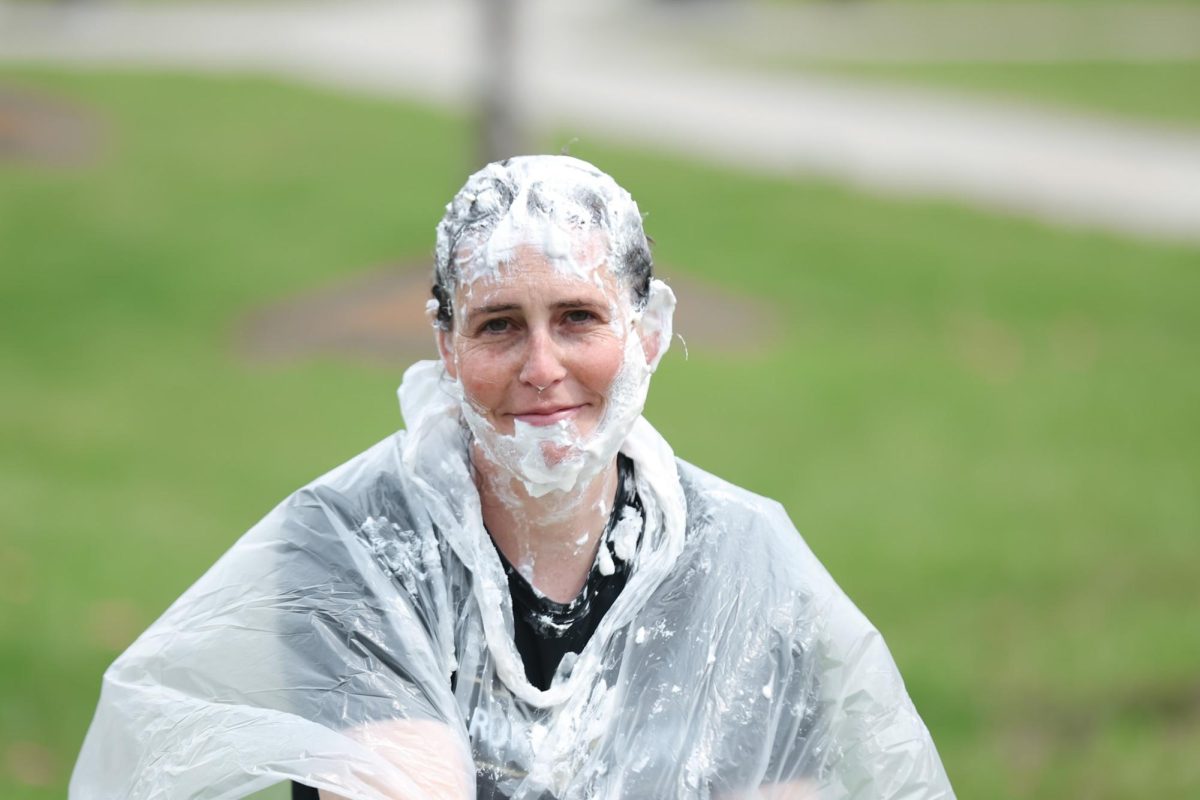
(367, 504)
(731, 521)
(368, 488)
(742, 548)
(712, 499)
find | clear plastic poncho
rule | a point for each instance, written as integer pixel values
(360, 640)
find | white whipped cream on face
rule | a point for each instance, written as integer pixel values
(583, 224)
(557, 457)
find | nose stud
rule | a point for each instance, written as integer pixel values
(540, 389)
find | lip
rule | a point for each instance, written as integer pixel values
(548, 416)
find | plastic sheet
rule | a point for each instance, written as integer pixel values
(359, 639)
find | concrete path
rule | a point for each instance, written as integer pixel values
(935, 30)
(624, 71)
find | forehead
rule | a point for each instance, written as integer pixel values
(530, 272)
(547, 253)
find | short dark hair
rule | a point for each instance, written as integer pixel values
(561, 188)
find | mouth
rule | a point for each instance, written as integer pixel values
(547, 416)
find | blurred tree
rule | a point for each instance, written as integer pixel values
(499, 130)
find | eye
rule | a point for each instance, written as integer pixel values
(579, 316)
(495, 325)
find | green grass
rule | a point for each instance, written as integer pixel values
(1159, 91)
(986, 428)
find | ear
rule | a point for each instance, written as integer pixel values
(445, 346)
(649, 347)
(655, 324)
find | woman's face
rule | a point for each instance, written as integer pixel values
(538, 343)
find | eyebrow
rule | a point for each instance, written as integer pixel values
(492, 309)
(578, 302)
(498, 308)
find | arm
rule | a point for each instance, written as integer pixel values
(792, 790)
(429, 753)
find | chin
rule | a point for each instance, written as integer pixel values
(555, 454)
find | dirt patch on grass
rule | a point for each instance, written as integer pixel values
(42, 130)
(379, 317)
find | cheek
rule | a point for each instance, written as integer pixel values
(484, 375)
(602, 363)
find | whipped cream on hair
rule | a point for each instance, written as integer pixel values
(553, 203)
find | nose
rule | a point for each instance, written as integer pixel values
(543, 365)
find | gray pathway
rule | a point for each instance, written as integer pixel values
(937, 30)
(641, 74)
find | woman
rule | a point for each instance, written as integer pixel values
(524, 595)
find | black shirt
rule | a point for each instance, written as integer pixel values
(545, 631)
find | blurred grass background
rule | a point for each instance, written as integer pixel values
(1154, 91)
(986, 428)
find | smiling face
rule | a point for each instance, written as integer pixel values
(537, 344)
(538, 262)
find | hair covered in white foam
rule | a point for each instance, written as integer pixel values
(580, 221)
(558, 194)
